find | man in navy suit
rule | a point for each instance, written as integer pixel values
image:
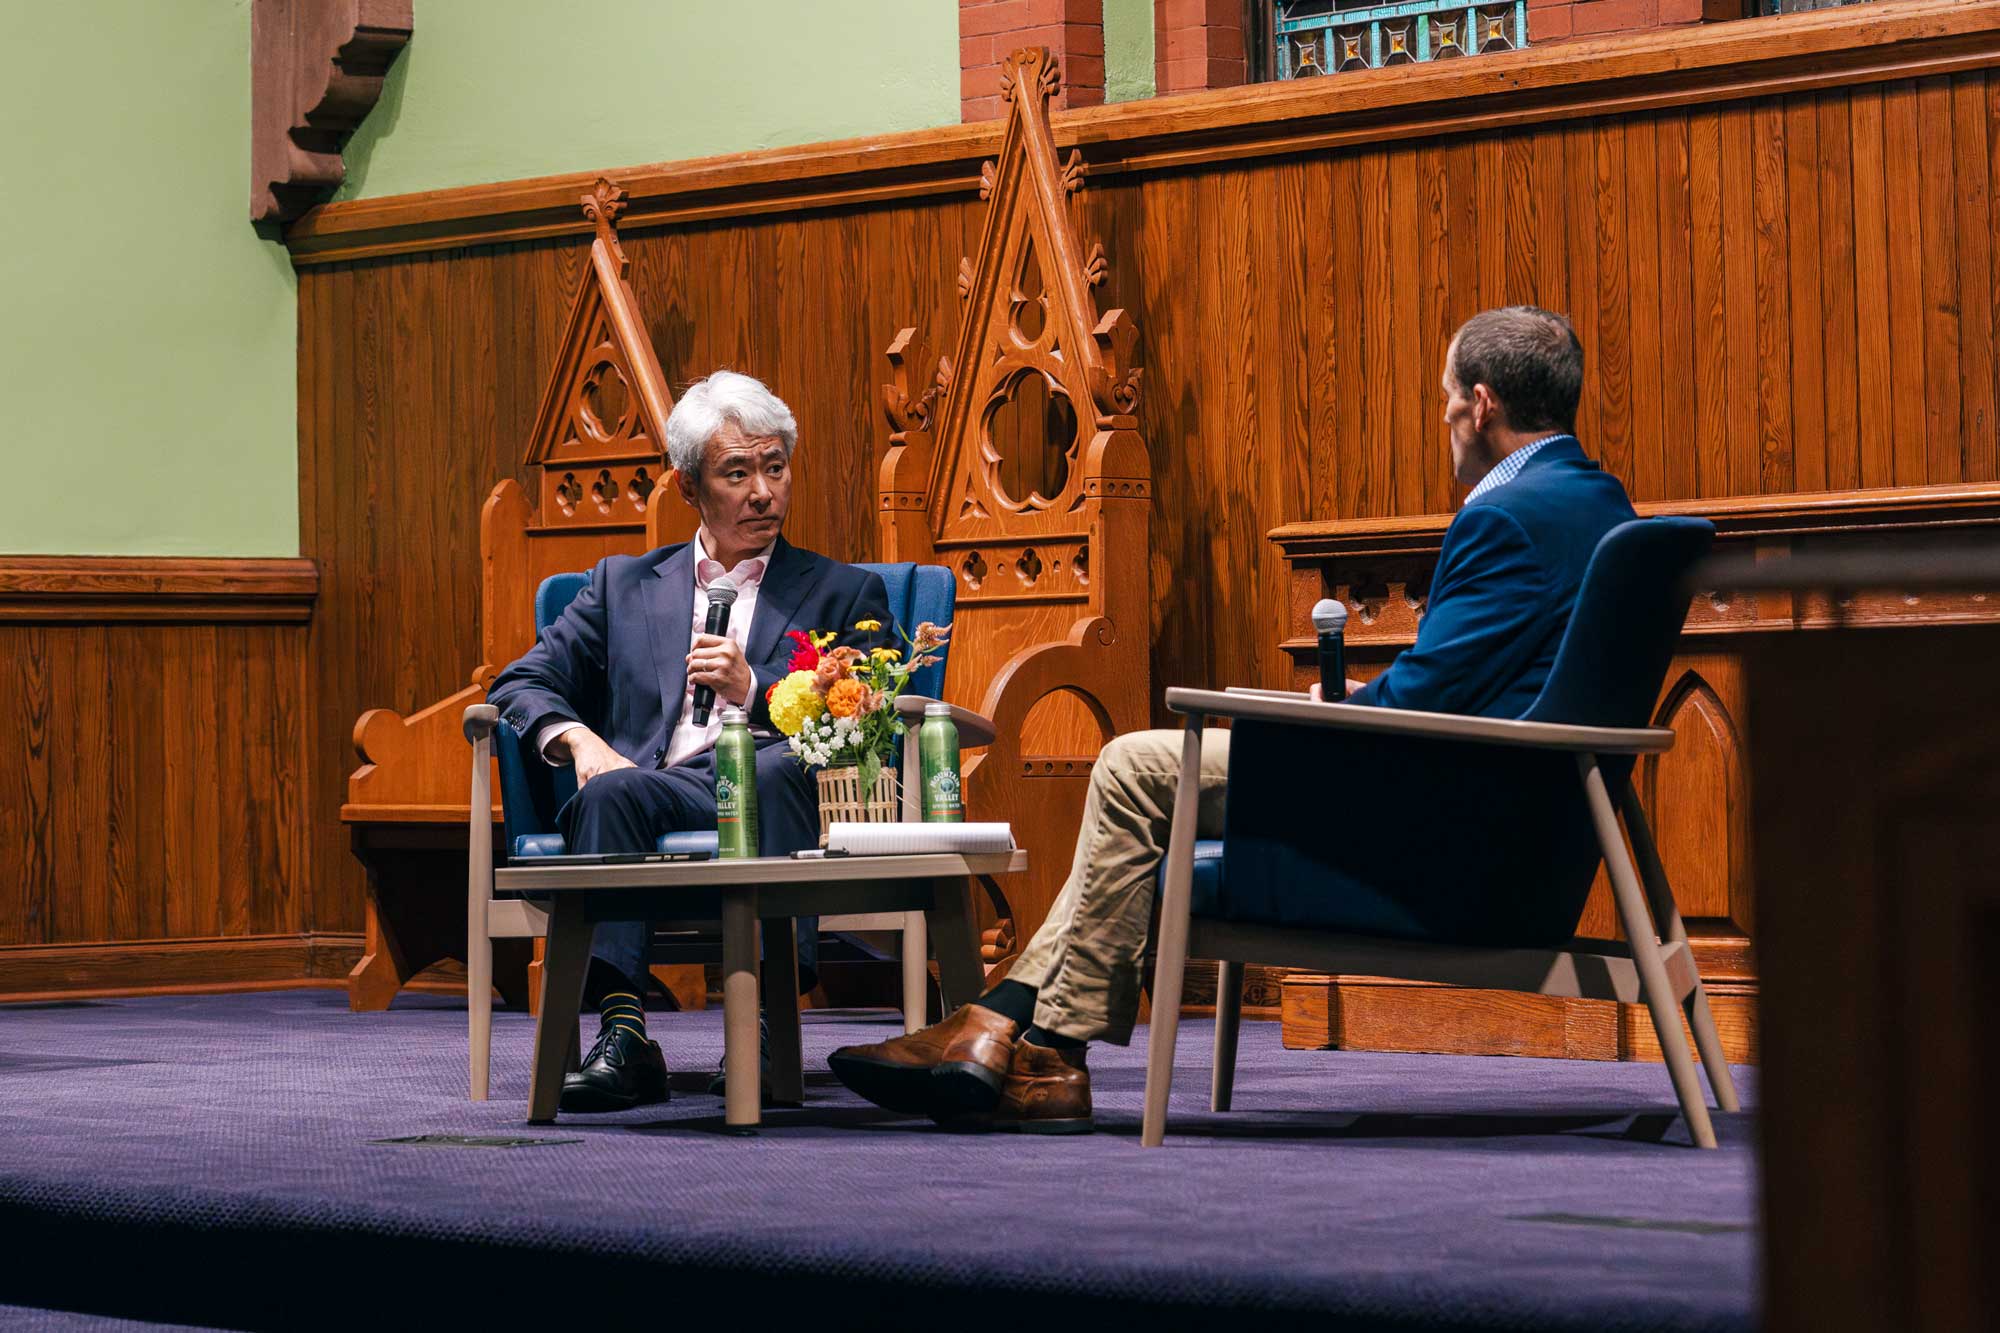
(1501, 597)
(609, 687)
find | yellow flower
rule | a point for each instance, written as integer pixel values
(793, 701)
(885, 655)
(823, 641)
(868, 626)
(844, 699)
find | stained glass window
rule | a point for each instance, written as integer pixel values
(1312, 37)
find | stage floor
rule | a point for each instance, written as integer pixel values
(222, 1160)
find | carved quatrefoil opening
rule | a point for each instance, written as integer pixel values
(568, 492)
(974, 569)
(604, 491)
(1028, 568)
(640, 488)
(1031, 435)
(605, 403)
(1080, 565)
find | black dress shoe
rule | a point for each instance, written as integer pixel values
(719, 1085)
(623, 1070)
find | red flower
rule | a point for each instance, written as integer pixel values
(805, 657)
(768, 693)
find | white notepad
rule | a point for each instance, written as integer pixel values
(857, 839)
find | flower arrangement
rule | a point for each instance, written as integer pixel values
(837, 703)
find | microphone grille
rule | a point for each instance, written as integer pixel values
(722, 593)
(1329, 616)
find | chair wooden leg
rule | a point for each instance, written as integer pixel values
(781, 1010)
(1228, 1019)
(957, 945)
(1170, 964)
(1659, 892)
(563, 967)
(742, 1095)
(1639, 932)
(916, 975)
(478, 935)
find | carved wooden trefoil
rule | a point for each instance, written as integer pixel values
(595, 451)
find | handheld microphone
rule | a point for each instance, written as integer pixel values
(1330, 619)
(721, 596)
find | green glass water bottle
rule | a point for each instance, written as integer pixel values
(937, 747)
(736, 786)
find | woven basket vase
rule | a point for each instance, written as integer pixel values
(841, 797)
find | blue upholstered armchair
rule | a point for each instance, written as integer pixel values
(1434, 847)
(532, 791)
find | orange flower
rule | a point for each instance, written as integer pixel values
(844, 699)
(829, 670)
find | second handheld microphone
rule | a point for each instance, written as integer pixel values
(721, 596)
(1330, 620)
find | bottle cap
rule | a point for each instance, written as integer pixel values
(735, 717)
(937, 710)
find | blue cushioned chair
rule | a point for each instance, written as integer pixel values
(1462, 848)
(532, 791)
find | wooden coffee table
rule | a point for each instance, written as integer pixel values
(741, 894)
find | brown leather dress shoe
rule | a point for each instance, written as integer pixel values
(948, 1068)
(1047, 1092)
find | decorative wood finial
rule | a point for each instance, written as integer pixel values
(602, 207)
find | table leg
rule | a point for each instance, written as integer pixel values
(563, 967)
(781, 1010)
(741, 1091)
(955, 942)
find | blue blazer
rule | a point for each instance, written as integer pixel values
(1506, 581)
(616, 660)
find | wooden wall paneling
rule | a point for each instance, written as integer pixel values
(1835, 202)
(1640, 180)
(1777, 373)
(1742, 474)
(1805, 328)
(1876, 414)
(154, 771)
(1974, 281)
(1902, 161)
(1678, 409)
(1944, 445)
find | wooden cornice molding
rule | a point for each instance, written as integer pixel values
(1903, 509)
(1899, 39)
(316, 69)
(122, 589)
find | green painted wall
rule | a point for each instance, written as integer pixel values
(147, 371)
(1128, 50)
(492, 90)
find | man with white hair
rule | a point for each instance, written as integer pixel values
(609, 687)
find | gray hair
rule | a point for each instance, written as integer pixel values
(1530, 359)
(725, 396)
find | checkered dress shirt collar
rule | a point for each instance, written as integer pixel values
(1510, 467)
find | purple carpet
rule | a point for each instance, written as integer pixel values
(218, 1161)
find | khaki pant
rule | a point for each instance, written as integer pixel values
(1087, 958)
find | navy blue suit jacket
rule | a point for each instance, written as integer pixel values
(616, 660)
(1506, 582)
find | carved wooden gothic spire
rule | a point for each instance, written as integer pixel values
(598, 438)
(1017, 463)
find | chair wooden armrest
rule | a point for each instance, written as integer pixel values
(1260, 707)
(973, 728)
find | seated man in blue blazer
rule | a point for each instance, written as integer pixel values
(609, 687)
(1506, 582)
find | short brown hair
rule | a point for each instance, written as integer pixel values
(1530, 358)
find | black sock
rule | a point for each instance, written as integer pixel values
(1012, 998)
(1055, 1041)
